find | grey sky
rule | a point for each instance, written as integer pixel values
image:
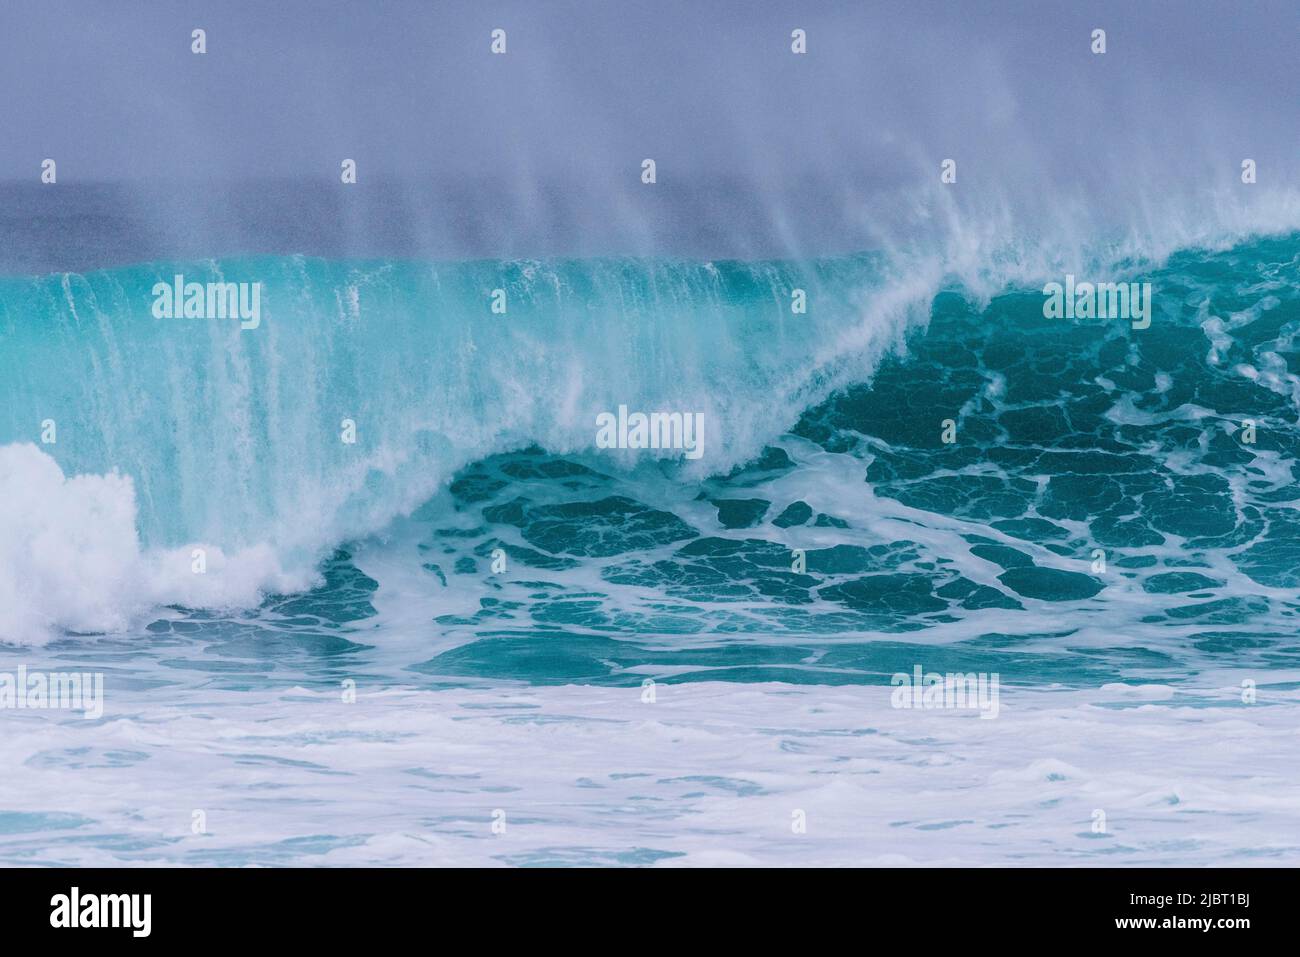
(710, 90)
(408, 86)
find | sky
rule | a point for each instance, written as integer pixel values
(556, 129)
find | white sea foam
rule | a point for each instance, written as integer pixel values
(710, 773)
(71, 561)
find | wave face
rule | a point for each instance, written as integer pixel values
(1101, 480)
(233, 439)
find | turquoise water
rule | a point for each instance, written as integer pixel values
(1098, 476)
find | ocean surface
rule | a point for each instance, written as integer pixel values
(473, 636)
